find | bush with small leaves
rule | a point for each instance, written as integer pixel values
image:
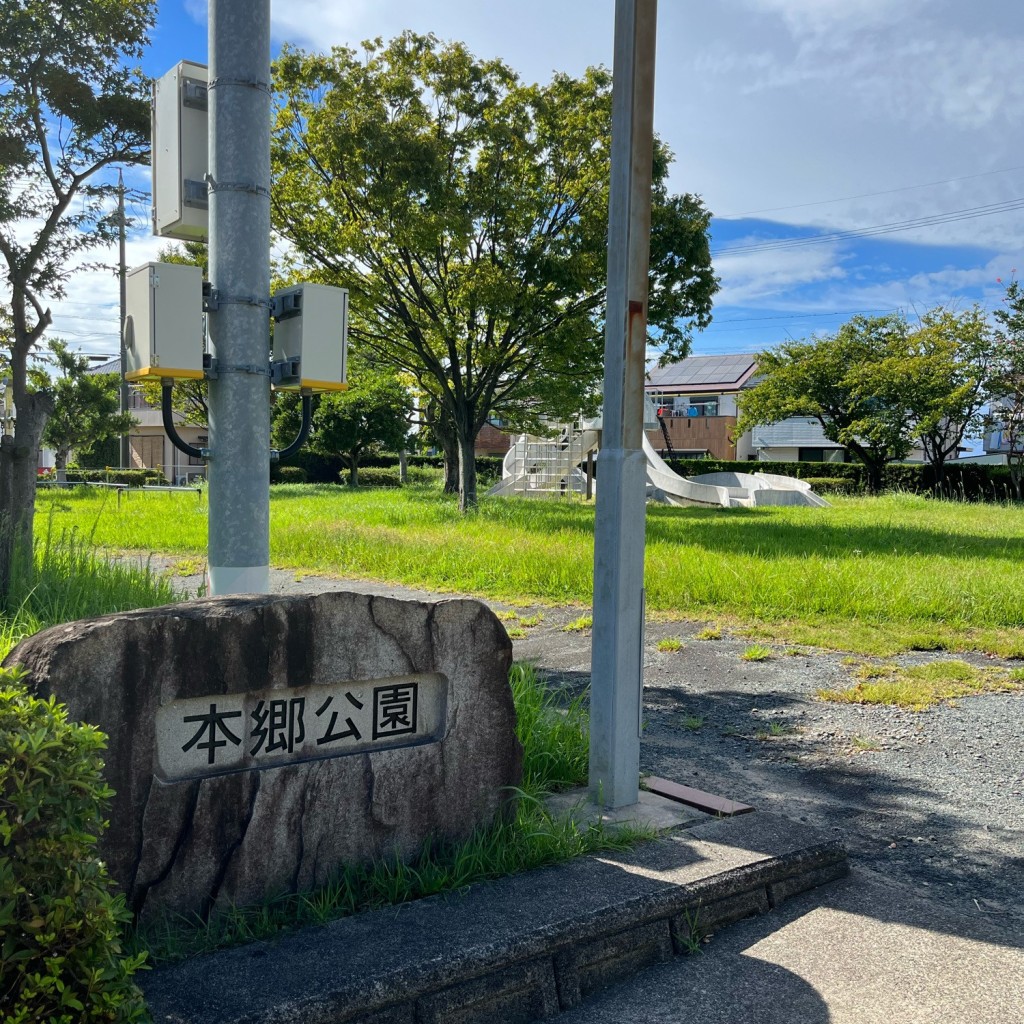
(373, 477)
(287, 474)
(61, 958)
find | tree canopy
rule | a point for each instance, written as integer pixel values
(85, 406)
(944, 380)
(467, 213)
(69, 108)
(372, 415)
(1007, 380)
(834, 379)
(879, 385)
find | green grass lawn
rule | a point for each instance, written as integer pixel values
(873, 575)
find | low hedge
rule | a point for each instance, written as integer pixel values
(287, 474)
(373, 477)
(61, 959)
(832, 484)
(131, 477)
(328, 469)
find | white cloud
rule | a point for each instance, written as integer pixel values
(765, 277)
(803, 16)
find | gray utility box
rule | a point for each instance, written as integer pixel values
(163, 328)
(312, 328)
(179, 138)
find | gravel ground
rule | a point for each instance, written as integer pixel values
(931, 800)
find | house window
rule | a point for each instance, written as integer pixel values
(699, 405)
(810, 455)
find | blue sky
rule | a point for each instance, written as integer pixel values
(794, 119)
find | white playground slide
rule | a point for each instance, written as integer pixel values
(536, 466)
(725, 489)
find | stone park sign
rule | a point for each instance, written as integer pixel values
(258, 744)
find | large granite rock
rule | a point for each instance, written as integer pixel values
(257, 744)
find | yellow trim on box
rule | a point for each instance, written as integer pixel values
(163, 371)
(324, 385)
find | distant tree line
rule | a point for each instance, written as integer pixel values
(880, 386)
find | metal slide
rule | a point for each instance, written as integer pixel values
(726, 489)
(537, 467)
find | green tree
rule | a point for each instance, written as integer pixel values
(85, 407)
(943, 377)
(371, 416)
(1006, 382)
(835, 379)
(467, 213)
(69, 108)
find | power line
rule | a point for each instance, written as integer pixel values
(803, 316)
(953, 216)
(871, 195)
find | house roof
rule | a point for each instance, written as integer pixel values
(110, 366)
(703, 374)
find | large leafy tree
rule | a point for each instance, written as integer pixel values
(85, 406)
(1006, 381)
(69, 108)
(371, 416)
(467, 213)
(944, 379)
(835, 379)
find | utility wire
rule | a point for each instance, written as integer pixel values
(951, 217)
(871, 195)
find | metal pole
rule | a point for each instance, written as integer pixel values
(122, 391)
(239, 325)
(617, 654)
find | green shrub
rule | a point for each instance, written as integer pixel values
(61, 960)
(832, 484)
(131, 477)
(371, 477)
(287, 474)
(426, 476)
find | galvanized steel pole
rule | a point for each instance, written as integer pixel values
(616, 699)
(123, 394)
(239, 325)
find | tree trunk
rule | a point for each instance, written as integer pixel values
(403, 467)
(1016, 473)
(467, 473)
(874, 471)
(60, 464)
(451, 467)
(353, 468)
(18, 458)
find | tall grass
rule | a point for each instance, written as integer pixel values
(69, 579)
(875, 574)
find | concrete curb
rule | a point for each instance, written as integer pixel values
(518, 949)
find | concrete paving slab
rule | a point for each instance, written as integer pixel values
(502, 950)
(857, 952)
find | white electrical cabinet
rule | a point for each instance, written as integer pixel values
(311, 326)
(179, 153)
(163, 330)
